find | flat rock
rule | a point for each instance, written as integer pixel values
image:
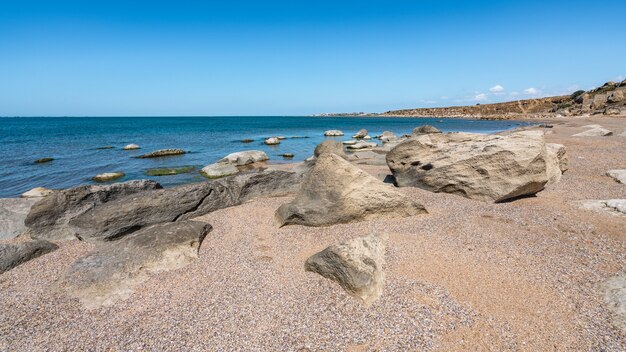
(615, 298)
(49, 218)
(12, 255)
(333, 133)
(170, 171)
(351, 142)
(37, 192)
(218, 170)
(611, 206)
(594, 132)
(490, 168)
(362, 145)
(245, 157)
(330, 146)
(162, 152)
(131, 147)
(113, 269)
(618, 175)
(13, 211)
(356, 265)
(335, 191)
(368, 157)
(108, 176)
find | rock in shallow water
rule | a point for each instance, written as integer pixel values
(356, 265)
(333, 133)
(169, 171)
(12, 255)
(272, 141)
(112, 270)
(162, 152)
(108, 176)
(218, 170)
(335, 191)
(131, 147)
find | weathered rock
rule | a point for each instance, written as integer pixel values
(335, 191)
(13, 211)
(615, 298)
(612, 111)
(119, 218)
(368, 137)
(333, 133)
(594, 132)
(556, 161)
(362, 145)
(245, 157)
(131, 147)
(162, 152)
(272, 141)
(369, 157)
(356, 265)
(611, 206)
(37, 192)
(618, 175)
(351, 142)
(287, 155)
(616, 97)
(169, 171)
(425, 129)
(362, 133)
(330, 146)
(12, 255)
(108, 176)
(49, 218)
(113, 269)
(484, 167)
(43, 160)
(218, 170)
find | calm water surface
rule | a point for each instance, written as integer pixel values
(73, 143)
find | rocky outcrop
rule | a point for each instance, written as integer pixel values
(333, 133)
(356, 265)
(113, 269)
(617, 175)
(13, 211)
(12, 255)
(330, 146)
(594, 132)
(362, 133)
(108, 176)
(335, 191)
(37, 192)
(425, 129)
(49, 218)
(245, 157)
(219, 170)
(126, 215)
(490, 168)
(162, 152)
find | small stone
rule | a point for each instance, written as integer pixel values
(43, 160)
(131, 147)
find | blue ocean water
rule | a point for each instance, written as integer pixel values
(73, 143)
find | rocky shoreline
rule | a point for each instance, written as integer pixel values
(424, 241)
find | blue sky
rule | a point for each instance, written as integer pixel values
(298, 57)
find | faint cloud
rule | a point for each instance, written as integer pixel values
(480, 97)
(496, 89)
(514, 94)
(444, 97)
(532, 91)
(619, 78)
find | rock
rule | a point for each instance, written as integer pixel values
(594, 132)
(113, 269)
(37, 192)
(287, 155)
(368, 137)
(218, 170)
(369, 157)
(245, 157)
(356, 265)
(557, 162)
(333, 133)
(330, 146)
(162, 152)
(49, 217)
(611, 206)
(12, 255)
(43, 160)
(169, 171)
(616, 97)
(425, 129)
(272, 141)
(490, 168)
(247, 140)
(618, 175)
(13, 211)
(612, 111)
(386, 134)
(108, 176)
(592, 126)
(362, 145)
(352, 142)
(106, 147)
(131, 147)
(334, 191)
(280, 138)
(362, 133)
(126, 215)
(615, 298)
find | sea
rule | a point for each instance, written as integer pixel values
(74, 143)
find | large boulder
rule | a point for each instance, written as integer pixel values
(126, 215)
(330, 146)
(49, 218)
(13, 211)
(356, 265)
(245, 157)
(335, 191)
(490, 168)
(12, 255)
(425, 129)
(112, 270)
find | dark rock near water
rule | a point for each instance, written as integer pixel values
(161, 153)
(106, 147)
(49, 218)
(169, 171)
(43, 160)
(12, 255)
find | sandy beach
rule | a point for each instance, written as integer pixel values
(526, 275)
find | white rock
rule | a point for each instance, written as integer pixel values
(594, 132)
(131, 147)
(245, 157)
(37, 192)
(272, 141)
(618, 175)
(333, 133)
(218, 170)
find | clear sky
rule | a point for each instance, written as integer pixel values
(229, 57)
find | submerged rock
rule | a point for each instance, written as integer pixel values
(43, 160)
(356, 265)
(335, 191)
(218, 170)
(247, 140)
(333, 133)
(106, 147)
(162, 152)
(113, 269)
(168, 171)
(108, 176)
(12, 255)
(287, 155)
